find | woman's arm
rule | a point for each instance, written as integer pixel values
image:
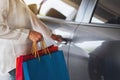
(39, 26)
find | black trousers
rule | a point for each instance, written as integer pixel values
(103, 69)
(12, 74)
(95, 68)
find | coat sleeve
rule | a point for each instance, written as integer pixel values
(6, 32)
(38, 25)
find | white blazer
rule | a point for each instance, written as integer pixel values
(16, 20)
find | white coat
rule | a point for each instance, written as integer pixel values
(16, 20)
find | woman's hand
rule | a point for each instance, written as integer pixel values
(35, 36)
(56, 37)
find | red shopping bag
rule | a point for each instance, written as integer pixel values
(22, 58)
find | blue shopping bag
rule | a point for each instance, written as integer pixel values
(49, 67)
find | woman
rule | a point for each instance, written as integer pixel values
(19, 27)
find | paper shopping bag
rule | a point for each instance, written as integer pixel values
(22, 58)
(49, 67)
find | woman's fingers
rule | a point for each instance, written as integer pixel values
(35, 36)
(56, 37)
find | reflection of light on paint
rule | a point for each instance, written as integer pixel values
(89, 45)
(62, 32)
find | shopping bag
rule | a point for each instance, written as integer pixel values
(49, 67)
(22, 58)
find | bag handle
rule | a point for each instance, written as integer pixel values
(43, 48)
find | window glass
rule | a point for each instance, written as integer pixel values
(62, 9)
(107, 11)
